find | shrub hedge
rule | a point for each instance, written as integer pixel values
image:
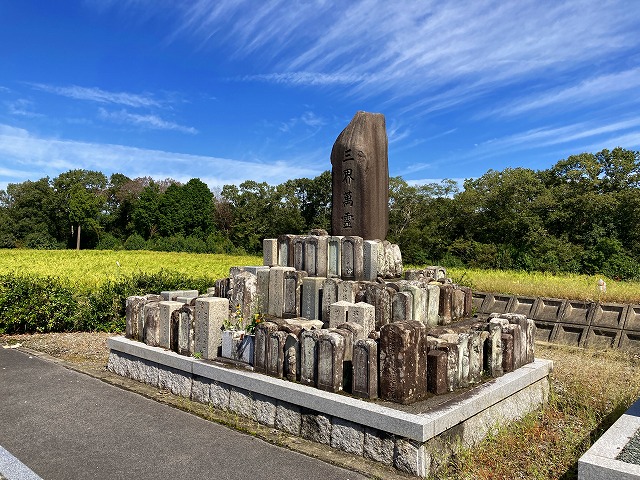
(31, 303)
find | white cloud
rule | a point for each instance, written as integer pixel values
(146, 121)
(101, 96)
(39, 156)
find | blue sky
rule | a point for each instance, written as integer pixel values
(227, 91)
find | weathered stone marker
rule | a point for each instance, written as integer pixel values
(365, 369)
(360, 178)
(402, 362)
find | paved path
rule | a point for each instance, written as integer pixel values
(62, 424)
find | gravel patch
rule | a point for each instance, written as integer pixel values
(631, 451)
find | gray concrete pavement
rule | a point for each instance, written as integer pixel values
(63, 424)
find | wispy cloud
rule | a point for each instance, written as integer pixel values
(145, 121)
(41, 156)
(411, 48)
(588, 91)
(307, 78)
(22, 108)
(308, 118)
(100, 96)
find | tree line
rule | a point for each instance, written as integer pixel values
(582, 215)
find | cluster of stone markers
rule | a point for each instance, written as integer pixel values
(398, 339)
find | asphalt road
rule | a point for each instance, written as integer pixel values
(62, 424)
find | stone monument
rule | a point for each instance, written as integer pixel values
(360, 179)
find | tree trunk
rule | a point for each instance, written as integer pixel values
(78, 240)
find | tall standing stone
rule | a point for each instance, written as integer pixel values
(402, 362)
(210, 315)
(360, 178)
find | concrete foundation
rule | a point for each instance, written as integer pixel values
(414, 438)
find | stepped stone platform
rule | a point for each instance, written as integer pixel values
(415, 438)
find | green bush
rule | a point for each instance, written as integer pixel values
(45, 304)
(135, 242)
(110, 242)
(36, 304)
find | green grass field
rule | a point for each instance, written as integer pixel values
(89, 268)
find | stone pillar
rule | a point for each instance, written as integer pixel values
(134, 326)
(331, 349)
(363, 314)
(347, 291)
(381, 297)
(261, 345)
(402, 308)
(210, 314)
(338, 312)
(293, 280)
(329, 296)
(493, 350)
(297, 244)
(182, 330)
(437, 380)
(334, 256)
(285, 250)
(275, 354)
(152, 323)
(365, 369)
(352, 253)
(312, 298)
(309, 357)
(360, 178)
(270, 252)
(276, 290)
(507, 353)
(433, 305)
(166, 309)
(316, 256)
(446, 304)
(373, 254)
(402, 362)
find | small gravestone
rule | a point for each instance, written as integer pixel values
(334, 256)
(331, 349)
(275, 354)
(309, 356)
(360, 178)
(166, 310)
(363, 314)
(402, 362)
(312, 298)
(293, 293)
(329, 296)
(437, 380)
(261, 345)
(134, 327)
(365, 369)
(507, 352)
(352, 258)
(152, 323)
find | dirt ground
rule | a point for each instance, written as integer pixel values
(82, 348)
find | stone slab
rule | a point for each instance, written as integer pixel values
(599, 462)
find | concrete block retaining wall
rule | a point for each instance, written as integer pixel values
(410, 439)
(570, 322)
